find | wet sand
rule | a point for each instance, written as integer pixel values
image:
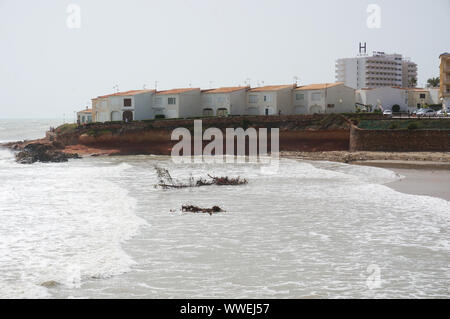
(429, 182)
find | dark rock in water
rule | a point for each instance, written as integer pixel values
(46, 153)
(58, 145)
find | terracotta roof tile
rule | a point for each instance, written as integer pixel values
(226, 89)
(176, 91)
(272, 88)
(319, 86)
(127, 93)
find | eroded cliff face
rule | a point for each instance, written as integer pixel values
(296, 133)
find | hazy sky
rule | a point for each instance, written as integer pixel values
(48, 69)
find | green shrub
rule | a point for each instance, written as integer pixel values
(66, 128)
(377, 111)
(396, 108)
(413, 126)
(160, 116)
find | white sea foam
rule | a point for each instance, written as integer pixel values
(63, 223)
(311, 230)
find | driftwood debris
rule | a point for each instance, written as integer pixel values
(166, 181)
(195, 209)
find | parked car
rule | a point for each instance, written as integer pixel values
(387, 113)
(426, 113)
(443, 113)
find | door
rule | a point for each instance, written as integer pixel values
(127, 116)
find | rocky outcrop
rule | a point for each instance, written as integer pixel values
(40, 152)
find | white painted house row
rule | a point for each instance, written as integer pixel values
(193, 102)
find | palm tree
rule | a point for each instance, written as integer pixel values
(433, 82)
(412, 82)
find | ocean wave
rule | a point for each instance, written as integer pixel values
(64, 224)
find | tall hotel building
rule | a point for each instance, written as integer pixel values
(378, 70)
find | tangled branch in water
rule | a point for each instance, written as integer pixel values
(166, 181)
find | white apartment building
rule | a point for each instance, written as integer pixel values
(323, 98)
(177, 103)
(123, 106)
(409, 74)
(409, 99)
(378, 70)
(224, 101)
(270, 100)
(383, 98)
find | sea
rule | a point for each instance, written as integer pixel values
(98, 227)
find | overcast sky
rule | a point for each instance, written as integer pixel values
(48, 69)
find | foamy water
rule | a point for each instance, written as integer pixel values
(100, 229)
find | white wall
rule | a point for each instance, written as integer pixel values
(189, 104)
(434, 95)
(100, 110)
(273, 101)
(143, 106)
(343, 98)
(317, 101)
(386, 96)
(234, 102)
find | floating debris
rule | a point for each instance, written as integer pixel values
(166, 181)
(50, 284)
(195, 209)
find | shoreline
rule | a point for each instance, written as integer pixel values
(426, 173)
(422, 182)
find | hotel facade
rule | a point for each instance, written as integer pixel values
(378, 70)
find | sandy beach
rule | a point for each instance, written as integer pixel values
(429, 182)
(425, 173)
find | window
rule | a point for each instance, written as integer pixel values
(422, 96)
(253, 98)
(172, 101)
(316, 96)
(127, 102)
(330, 105)
(267, 98)
(299, 97)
